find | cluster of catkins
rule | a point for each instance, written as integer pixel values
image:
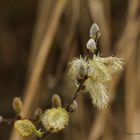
(93, 71)
(53, 119)
(97, 70)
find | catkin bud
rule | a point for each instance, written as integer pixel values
(81, 70)
(78, 69)
(1, 119)
(94, 30)
(17, 105)
(56, 101)
(73, 106)
(38, 112)
(91, 45)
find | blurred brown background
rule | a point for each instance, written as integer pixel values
(37, 40)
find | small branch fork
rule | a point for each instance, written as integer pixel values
(12, 120)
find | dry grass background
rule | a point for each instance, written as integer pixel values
(60, 32)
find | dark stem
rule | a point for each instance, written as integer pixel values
(76, 94)
(44, 135)
(12, 120)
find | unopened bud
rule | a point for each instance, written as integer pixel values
(38, 112)
(56, 101)
(91, 45)
(94, 32)
(73, 106)
(1, 119)
(81, 70)
(17, 105)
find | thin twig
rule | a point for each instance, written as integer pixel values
(44, 135)
(75, 96)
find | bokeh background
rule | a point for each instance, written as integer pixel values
(37, 40)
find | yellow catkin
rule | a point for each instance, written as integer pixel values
(55, 119)
(24, 127)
